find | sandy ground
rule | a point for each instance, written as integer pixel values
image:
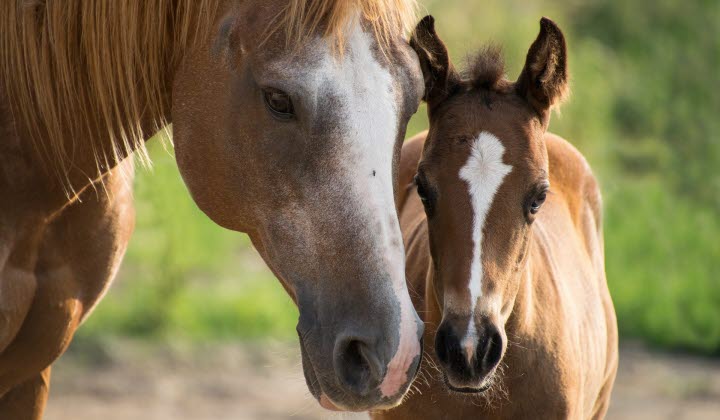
(252, 381)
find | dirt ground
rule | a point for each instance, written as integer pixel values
(252, 381)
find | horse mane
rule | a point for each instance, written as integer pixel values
(75, 70)
(386, 18)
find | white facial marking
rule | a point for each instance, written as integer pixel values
(374, 122)
(365, 91)
(484, 172)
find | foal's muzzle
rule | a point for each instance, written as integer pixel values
(468, 361)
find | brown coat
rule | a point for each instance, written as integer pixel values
(562, 356)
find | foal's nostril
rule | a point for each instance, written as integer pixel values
(492, 349)
(450, 352)
(358, 370)
(454, 358)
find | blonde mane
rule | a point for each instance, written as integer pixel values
(76, 69)
(301, 18)
(73, 70)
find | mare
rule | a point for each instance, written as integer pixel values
(504, 245)
(288, 118)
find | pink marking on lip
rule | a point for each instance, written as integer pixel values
(409, 348)
(327, 404)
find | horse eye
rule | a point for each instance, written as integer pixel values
(424, 194)
(537, 202)
(420, 189)
(279, 103)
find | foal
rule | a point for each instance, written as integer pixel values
(504, 245)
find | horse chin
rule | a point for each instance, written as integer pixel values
(484, 385)
(313, 384)
(315, 388)
(327, 402)
(311, 378)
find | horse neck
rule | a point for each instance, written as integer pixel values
(86, 101)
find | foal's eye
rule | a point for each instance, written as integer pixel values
(424, 194)
(420, 189)
(279, 103)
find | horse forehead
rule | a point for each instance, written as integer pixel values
(357, 72)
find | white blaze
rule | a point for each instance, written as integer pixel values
(484, 172)
(365, 91)
(374, 120)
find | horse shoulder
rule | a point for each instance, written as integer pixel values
(77, 256)
(90, 236)
(17, 289)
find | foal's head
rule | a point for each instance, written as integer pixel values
(483, 178)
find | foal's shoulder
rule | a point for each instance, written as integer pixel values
(572, 177)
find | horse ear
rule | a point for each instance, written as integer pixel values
(438, 72)
(544, 79)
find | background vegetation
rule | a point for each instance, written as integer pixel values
(645, 110)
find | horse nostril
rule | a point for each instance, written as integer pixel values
(465, 363)
(358, 370)
(442, 349)
(450, 352)
(492, 349)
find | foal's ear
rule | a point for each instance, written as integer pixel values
(544, 79)
(438, 72)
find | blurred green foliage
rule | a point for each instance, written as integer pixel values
(645, 111)
(183, 276)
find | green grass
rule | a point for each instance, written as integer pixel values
(642, 111)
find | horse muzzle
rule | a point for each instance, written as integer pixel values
(469, 362)
(363, 372)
